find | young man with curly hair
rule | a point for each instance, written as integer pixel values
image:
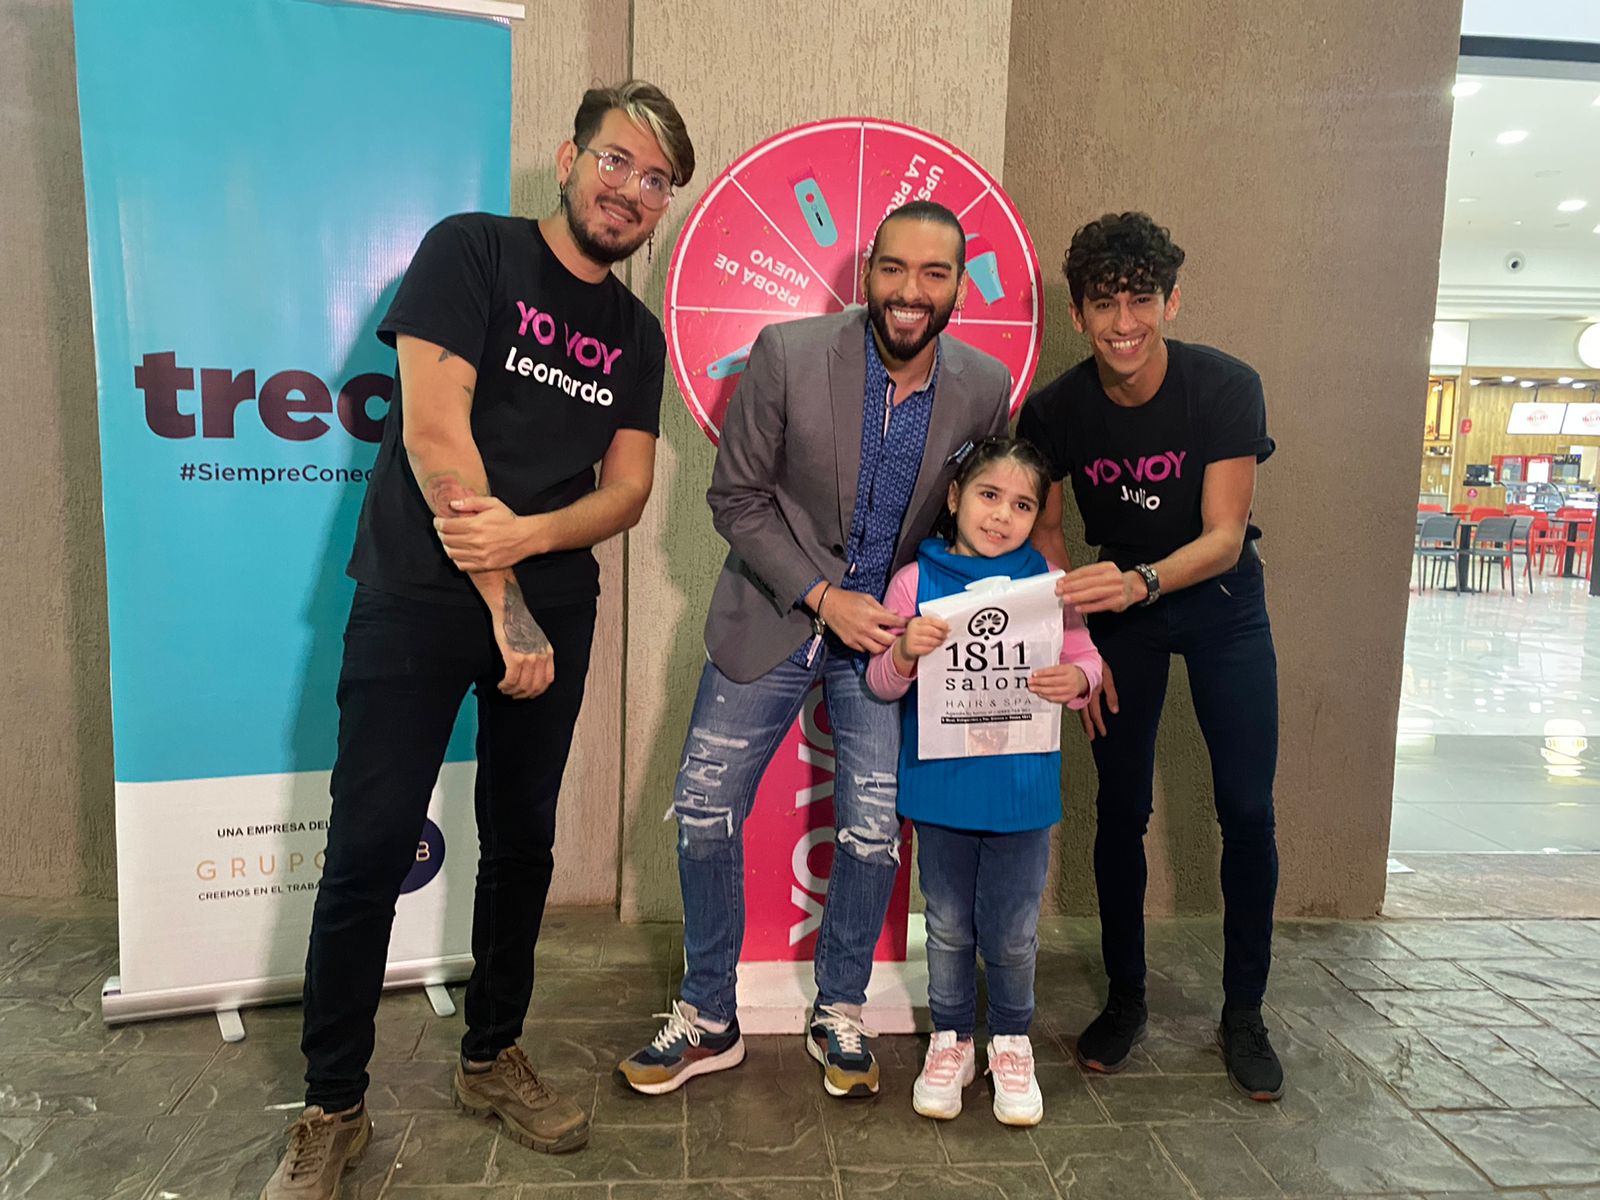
(1160, 439)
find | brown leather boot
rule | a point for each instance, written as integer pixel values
(322, 1147)
(530, 1109)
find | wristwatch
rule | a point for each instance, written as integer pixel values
(1152, 583)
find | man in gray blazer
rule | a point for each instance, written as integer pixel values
(836, 455)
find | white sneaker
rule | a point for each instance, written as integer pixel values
(950, 1066)
(1017, 1099)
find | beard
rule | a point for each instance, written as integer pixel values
(902, 346)
(594, 241)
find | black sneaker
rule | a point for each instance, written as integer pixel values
(1253, 1067)
(1107, 1044)
(838, 1040)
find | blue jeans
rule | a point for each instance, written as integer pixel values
(982, 892)
(734, 731)
(1221, 629)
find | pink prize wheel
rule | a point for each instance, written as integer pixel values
(782, 234)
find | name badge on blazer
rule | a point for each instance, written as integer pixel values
(960, 456)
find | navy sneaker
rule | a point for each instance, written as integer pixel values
(682, 1050)
(1253, 1066)
(836, 1040)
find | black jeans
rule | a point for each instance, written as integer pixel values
(1221, 629)
(407, 665)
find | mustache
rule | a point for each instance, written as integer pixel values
(621, 202)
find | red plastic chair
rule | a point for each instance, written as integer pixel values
(1584, 537)
(1438, 508)
(1460, 510)
(1542, 539)
(1519, 510)
(1479, 514)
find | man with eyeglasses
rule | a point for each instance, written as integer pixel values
(524, 364)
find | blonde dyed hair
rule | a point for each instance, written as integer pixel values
(646, 106)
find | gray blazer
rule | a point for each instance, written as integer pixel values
(784, 486)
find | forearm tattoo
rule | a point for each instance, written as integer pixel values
(523, 634)
(446, 356)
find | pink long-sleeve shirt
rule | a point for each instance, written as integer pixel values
(888, 684)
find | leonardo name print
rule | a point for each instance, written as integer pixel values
(588, 352)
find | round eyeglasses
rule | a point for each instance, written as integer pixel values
(655, 189)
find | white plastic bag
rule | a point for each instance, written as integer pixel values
(972, 692)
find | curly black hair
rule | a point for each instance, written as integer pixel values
(1121, 252)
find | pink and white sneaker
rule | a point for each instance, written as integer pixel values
(1017, 1099)
(950, 1066)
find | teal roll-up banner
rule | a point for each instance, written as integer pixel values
(258, 174)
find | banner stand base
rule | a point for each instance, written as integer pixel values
(776, 997)
(231, 1025)
(439, 996)
(117, 1007)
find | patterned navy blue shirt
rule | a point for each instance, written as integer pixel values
(893, 438)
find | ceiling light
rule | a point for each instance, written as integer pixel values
(1511, 137)
(1572, 205)
(1476, 382)
(1597, 228)
(1564, 380)
(1580, 384)
(1466, 199)
(1526, 383)
(1466, 87)
(1589, 346)
(1508, 379)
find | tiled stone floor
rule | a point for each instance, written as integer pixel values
(1446, 1059)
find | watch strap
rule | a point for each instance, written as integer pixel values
(1152, 583)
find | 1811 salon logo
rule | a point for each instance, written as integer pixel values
(988, 622)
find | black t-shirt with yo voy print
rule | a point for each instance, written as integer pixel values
(562, 365)
(1137, 472)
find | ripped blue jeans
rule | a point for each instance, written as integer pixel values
(733, 733)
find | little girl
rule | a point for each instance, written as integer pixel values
(982, 824)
